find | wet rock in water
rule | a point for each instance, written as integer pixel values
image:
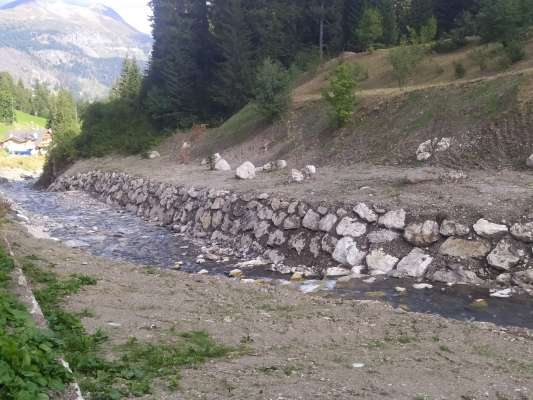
(364, 212)
(504, 256)
(311, 220)
(400, 289)
(297, 276)
(502, 294)
(422, 286)
(245, 171)
(452, 228)
(327, 223)
(489, 229)
(529, 161)
(296, 176)
(222, 165)
(380, 263)
(153, 154)
(456, 274)
(423, 234)
(235, 273)
(523, 232)
(393, 219)
(415, 264)
(461, 248)
(351, 227)
(203, 272)
(382, 236)
(347, 253)
(334, 272)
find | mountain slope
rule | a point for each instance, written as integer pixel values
(80, 47)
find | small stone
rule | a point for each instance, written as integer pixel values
(245, 171)
(365, 213)
(488, 229)
(297, 276)
(327, 223)
(400, 289)
(235, 273)
(309, 170)
(382, 236)
(461, 248)
(452, 228)
(281, 164)
(422, 286)
(529, 161)
(502, 294)
(153, 154)
(337, 271)
(222, 165)
(351, 227)
(311, 220)
(380, 263)
(393, 219)
(203, 272)
(423, 234)
(358, 365)
(503, 257)
(415, 264)
(523, 232)
(296, 176)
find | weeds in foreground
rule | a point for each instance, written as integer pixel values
(138, 364)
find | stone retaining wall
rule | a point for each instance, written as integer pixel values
(353, 238)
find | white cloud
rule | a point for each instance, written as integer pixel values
(136, 12)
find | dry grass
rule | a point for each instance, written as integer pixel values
(26, 163)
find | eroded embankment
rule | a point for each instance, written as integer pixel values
(359, 237)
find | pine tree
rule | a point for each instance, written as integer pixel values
(235, 70)
(40, 100)
(63, 118)
(370, 29)
(390, 22)
(421, 12)
(128, 85)
(7, 99)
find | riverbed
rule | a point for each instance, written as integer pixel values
(80, 221)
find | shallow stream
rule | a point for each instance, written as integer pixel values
(83, 222)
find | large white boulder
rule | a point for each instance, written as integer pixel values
(245, 171)
(415, 264)
(380, 263)
(504, 256)
(296, 176)
(393, 219)
(423, 234)
(347, 253)
(489, 229)
(351, 227)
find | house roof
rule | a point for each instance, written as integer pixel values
(27, 135)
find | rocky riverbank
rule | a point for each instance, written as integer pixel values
(299, 237)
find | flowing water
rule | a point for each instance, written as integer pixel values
(83, 222)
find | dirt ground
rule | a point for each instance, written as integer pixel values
(498, 195)
(296, 346)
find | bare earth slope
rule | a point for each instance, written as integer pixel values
(295, 346)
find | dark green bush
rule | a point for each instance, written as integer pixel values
(460, 70)
(272, 89)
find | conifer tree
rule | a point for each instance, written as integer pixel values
(128, 85)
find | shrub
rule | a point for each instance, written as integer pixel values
(272, 89)
(340, 94)
(370, 28)
(404, 60)
(514, 49)
(480, 57)
(460, 70)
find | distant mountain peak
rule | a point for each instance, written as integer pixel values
(17, 3)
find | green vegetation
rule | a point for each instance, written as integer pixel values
(404, 60)
(138, 364)
(370, 29)
(340, 94)
(272, 89)
(22, 121)
(29, 367)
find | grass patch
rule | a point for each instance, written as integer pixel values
(29, 367)
(237, 128)
(27, 163)
(137, 365)
(23, 121)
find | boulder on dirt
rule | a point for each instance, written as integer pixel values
(222, 165)
(281, 164)
(443, 144)
(424, 234)
(452, 228)
(351, 227)
(529, 161)
(296, 176)
(364, 212)
(393, 219)
(504, 256)
(461, 248)
(382, 236)
(245, 171)
(523, 232)
(380, 263)
(489, 229)
(235, 273)
(424, 151)
(347, 253)
(309, 170)
(153, 154)
(415, 264)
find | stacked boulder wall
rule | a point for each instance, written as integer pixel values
(290, 232)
